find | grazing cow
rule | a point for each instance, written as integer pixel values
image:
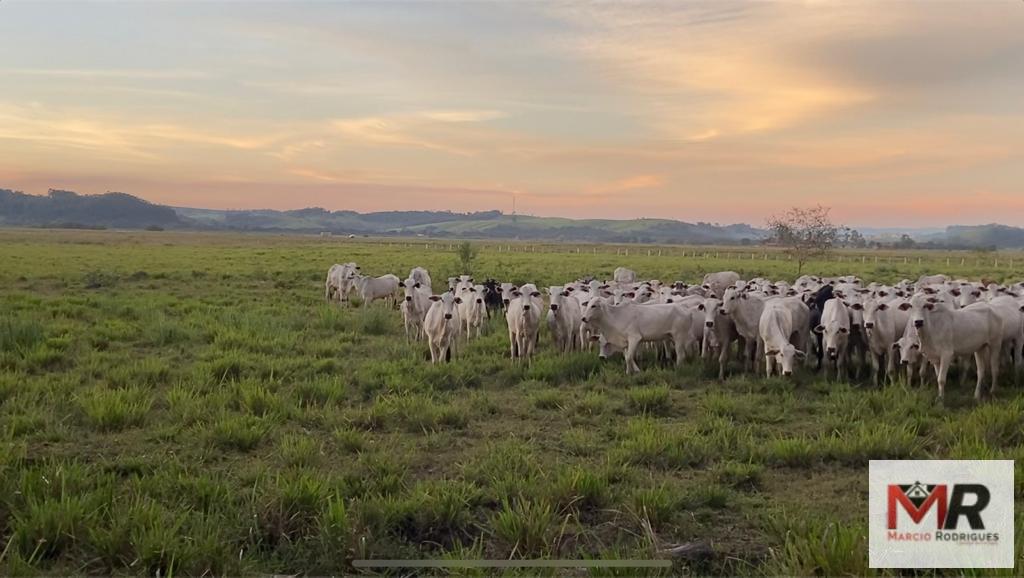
(928, 280)
(834, 330)
(717, 283)
(442, 326)
(340, 281)
(622, 275)
(777, 327)
(719, 333)
(884, 323)
(472, 310)
(371, 289)
(523, 318)
(627, 325)
(946, 332)
(414, 307)
(564, 319)
(421, 276)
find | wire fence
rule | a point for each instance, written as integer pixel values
(998, 260)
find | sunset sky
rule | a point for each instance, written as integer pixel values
(894, 114)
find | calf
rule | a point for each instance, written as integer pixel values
(719, 333)
(492, 296)
(442, 326)
(472, 310)
(340, 281)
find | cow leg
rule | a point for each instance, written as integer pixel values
(941, 370)
(512, 343)
(994, 360)
(723, 361)
(890, 366)
(981, 361)
(631, 366)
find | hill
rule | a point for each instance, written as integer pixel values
(119, 210)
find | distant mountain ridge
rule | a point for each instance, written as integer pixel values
(124, 211)
(120, 210)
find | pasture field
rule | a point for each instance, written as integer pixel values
(188, 404)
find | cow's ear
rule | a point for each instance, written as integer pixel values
(630, 295)
(473, 289)
(955, 292)
(515, 288)
(585, 303)
(401, 284)
(458, 300)
(882, 306)
(883, 293)
(743, 296)
(904, 306)
(435, 297)
(416, 286)
(929, 306)
(895, 346)
(669, 301)
(565, 293)
(933, 300)
(976, 293)
(843, 330)
(358, 268)
(569, 288)
(772, 352)
(800, 354)
(595, 337)
(819, 329)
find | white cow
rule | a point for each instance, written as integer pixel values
(909, 348)
(946, 332)
(623, 275)
(564, 319)
(776, 328)
(884, 323)
(340, 281)
(626, 326)
(371, 289)
(835, 331)
(421, 276)
(717, 283)
(745, 308)
(442, 326)
(472, 310)
(719, 333)
(523, 318)
(414, 307)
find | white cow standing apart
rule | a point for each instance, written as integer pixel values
(564, 319)
(442, 326)
(371, 289)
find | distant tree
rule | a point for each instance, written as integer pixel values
(467, 253)
(805, 233)
(906, 242)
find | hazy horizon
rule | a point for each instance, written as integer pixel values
(893, 114)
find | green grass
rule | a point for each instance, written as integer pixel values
(214, 416)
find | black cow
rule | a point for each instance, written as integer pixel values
(492, 296)
(816, 303)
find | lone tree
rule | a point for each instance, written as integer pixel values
(805, 233)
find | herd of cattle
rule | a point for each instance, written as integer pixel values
(846, 325)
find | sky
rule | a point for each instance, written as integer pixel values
(894, 114)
